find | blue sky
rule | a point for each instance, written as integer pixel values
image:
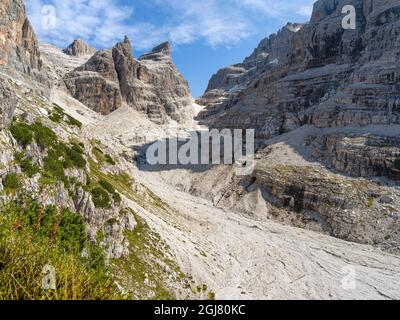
(207, 34)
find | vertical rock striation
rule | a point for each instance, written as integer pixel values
(18, 44)
(152, 84)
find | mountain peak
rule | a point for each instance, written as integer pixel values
(165, 48)
(79, 48)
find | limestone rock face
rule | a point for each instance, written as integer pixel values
(8, 104)
(18, 44)
(360, 156)
(151, 85)
(79, 48)
(96, 83)
(327, 77)
(271, 51)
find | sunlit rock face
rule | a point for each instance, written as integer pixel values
(319, 74)
(151, 84)
(18, 44)
(79, 48)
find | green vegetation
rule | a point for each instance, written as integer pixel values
(100, 197)
(102, 157)
(11, 182)
(211, 295)
(147, 270)
(26, 164)
(58, 114)
(371, 202)
(33, 236)
(73, 122)
(110, 160)
(22, 133)
(109, 187)
(45, 137)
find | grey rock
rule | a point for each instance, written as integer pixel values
(79, 48)
(18, 43)
(326, 76)
(151, 85)
(8, 104)
(360, 156)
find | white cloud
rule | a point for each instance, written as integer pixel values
(216, 22)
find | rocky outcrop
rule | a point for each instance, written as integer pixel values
(328, 76)
(357, 211)
(151, 85)
(79, 48)
(230, 81)
(360, 156)
(18, 43)
(8, 104)
(96, 83)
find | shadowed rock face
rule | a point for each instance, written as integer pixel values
(96, 83)
(18, 43)
(151, 85)
(79, 48)
(8, 104)
(327, 77)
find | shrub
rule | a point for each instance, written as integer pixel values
(11, 182)
(45, 137)
(76, 158)
(109, 187)
(55, 117)
(22, 133)
(100, 197)
(110, 160)
(73, 122)
(26, 165)
(53, 166)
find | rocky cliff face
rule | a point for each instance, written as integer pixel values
(151, 85)
(326, 110)
(8, 104)
(18, 43)
(79, 48)
(327, 76)
(227, 83)
(96, 83)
